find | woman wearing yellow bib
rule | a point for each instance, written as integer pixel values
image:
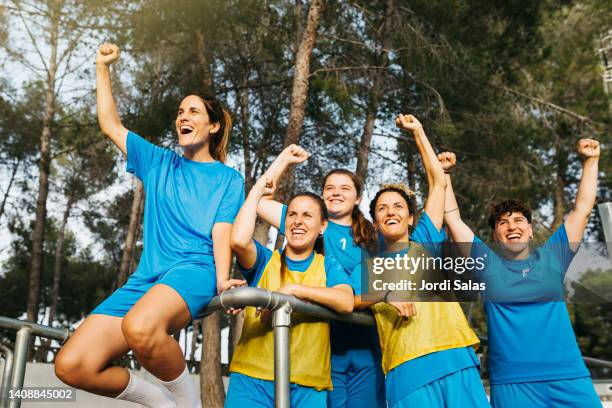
(299, 271)
(427, 347)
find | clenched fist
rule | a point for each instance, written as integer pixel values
(408, 122)
(107, 54)
(588, 148)
(295, 154)
(447, 160)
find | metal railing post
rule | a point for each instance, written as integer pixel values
(281, 321)
(19, 365)
(6, 375)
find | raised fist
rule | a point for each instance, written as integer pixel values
(295, 154)
(447, 160)
(408, 122)
(107, 54)
(588, 148)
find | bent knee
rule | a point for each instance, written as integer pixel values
(141, 334)
(71, 368)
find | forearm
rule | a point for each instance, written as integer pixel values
(222, 251)
(336, 298)
(587, 190)
(108, 117)
(433, 169)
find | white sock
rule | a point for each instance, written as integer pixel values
(148, 394)
(183, 390)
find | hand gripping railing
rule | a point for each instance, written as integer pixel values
(15, 362)
(282, 306)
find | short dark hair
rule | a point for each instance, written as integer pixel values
(508, 207)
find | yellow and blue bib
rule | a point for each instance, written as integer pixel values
(309, 337)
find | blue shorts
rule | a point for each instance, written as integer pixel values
(577, 392)
(461, 389)
(358, 379)
(246, 391)
(195, 283)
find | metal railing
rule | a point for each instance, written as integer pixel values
(15, 362)
(281, 305)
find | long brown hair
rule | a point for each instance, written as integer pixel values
(217, 113)
(362, 229)
(318, 246)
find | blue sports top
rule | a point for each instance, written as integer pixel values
(184, 199)
(530, 340)
(335, 274)
(338, 243)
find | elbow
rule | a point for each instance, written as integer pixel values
(237, 244)
(347, 306)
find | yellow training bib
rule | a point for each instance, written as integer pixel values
(309, 347)
(437, 326)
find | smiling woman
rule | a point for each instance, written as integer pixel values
(190, 204)
(300, 270)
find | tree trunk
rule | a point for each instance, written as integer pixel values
(44, 164)
(244, 127)
(130, 240)
(380, 58)
(200, 47)
(211, 383)
(8, 189)
(57, 263)
(194, 339)
(299, 91)
(559, 204)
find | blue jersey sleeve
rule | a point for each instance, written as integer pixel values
(142, 155)
(335, 273)
(253, 274)
(281, 227)
(426, 234)
(356, 280)
(232, 200)
(558, 246)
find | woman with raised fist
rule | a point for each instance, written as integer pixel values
(191, 201)
(428, 346)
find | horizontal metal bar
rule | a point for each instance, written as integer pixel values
(596, 362)
(257, 297)
(36, 329)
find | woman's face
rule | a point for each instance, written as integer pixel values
(193, 123)
(303, 223)
(340, 195)
(392, 217)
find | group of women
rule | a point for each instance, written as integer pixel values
(418, 355)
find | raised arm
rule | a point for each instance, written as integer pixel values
(459, 230)
(110, 123)
(434, 206)
(577, 219)
(244, 225)
(269, 209)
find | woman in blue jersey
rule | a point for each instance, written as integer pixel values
(534, 359)
(300, 270)
(356, 372)
(190, 204)
(427, 347)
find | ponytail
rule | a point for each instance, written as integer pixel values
(217, 113)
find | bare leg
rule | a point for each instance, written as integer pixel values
(84, 361)
(148, 327)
